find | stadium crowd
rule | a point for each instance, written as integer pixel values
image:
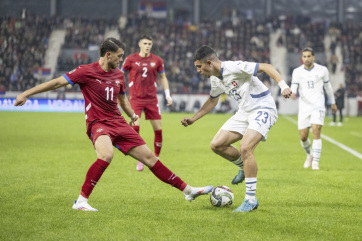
(350, 37)
(23, 42)
(176, 42)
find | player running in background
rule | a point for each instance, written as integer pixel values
(143, 68)
(102, 85)
(309, 79)
(256, 115)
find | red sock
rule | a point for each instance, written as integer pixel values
(165, 175)
(93, 175)
(136, 128)
(158, 142)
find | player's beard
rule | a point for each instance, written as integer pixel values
(112, 65)
(308, 64)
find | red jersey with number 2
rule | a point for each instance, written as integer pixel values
(143, 75)
(100, 90)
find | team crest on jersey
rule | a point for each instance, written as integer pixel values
(153, 64)
(117, 82)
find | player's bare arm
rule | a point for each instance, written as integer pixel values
(126, 107)
(50, 85)
(206, 108)
(165, 86)
(274, 74)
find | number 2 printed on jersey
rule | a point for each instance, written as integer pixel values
(144, 72)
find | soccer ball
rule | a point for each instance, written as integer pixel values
(221, 196)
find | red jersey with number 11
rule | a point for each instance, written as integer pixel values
(143, 75)
(100, 90)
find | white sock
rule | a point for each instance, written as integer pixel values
(250, 184)
(239, 162)
(306, 146)
(82, 199)
(187, 190)
(317, 149)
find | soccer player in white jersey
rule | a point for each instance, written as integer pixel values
(309, 79)
(256, 115)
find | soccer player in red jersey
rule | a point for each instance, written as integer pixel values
(103, 86)
(143, 68)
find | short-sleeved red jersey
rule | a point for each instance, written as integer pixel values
(143, 75)
(100, 90)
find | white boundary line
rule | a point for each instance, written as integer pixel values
(344, 147)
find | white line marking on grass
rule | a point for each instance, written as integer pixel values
(342, 146)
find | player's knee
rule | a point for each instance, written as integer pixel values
(215, 147)
(245, 152)
(106, 156)
(150, 159)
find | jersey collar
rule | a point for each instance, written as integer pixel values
(222, 71)
(310, 68)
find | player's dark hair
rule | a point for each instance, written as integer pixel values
(308, 49)
(203, 52)
(110, 45)
(146, 36)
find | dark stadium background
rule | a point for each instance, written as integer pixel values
(272, 31)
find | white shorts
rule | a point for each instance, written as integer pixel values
(307, 118)
(260, 120)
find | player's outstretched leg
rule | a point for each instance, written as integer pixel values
(197, 191)
(247, 206)
(239, 178)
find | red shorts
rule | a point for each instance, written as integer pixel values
(151, 108)
(122, 135)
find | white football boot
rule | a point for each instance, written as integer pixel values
(197, 191)
(83, 206)
(308, 161)
(315, 165)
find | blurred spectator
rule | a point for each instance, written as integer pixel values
(339, 94)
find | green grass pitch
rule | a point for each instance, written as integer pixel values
(44, 158)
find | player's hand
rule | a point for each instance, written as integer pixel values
(20, 100)
(287, 93)
(169, 100)
(187, 121)
(334, 108)
(133, 119)
(293, 96)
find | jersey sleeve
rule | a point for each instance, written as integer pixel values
(325, 75)
(295, 82)
(126, 66)
(250, 68)
(161, 67)
(216, 89)
(122, 90)
(76, 76)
